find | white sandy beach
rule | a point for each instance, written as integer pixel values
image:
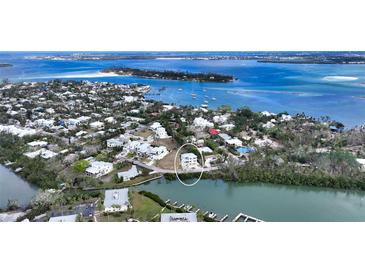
(339, 78)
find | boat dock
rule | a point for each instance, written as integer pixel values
(241, 217)
(245, 218)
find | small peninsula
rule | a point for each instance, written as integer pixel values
(171, 75)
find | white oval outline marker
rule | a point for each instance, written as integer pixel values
(175, 167)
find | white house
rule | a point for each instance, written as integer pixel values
(47, 154)
(44, 153)
(110, 120)
(44, 122)
(201, 122)
(268, 125)
(115, 142)
(227, 127)
(158, 153)
(263, 142)
(161, 133)
(285, 117)
(130, 99)
(189, 160)
(159, 130)
(268, 114)
(362, 164)
(99, 168)
(116, 200)
(205, 150)
(97, 125)
(178, 217)
(155, 125)
(37, 144)
(220, 119)
(235, 142)
(19, 131)
(129, 174)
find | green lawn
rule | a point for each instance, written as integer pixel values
(144, 209)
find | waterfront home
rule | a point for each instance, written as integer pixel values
(188, 161)
(66, 218)
(99, 168)
(116, 200)
(129, 174)
(362, 164)
(203, 123)
(10, 216)
(179, 217)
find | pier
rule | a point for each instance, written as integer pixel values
(241, 217)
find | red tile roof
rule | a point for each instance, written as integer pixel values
(213, 131)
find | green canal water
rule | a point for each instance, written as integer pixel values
(12, 187)
(265, 201)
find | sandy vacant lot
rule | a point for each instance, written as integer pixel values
(168, 161)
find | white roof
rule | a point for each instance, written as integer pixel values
(66, 218)
(98, 166)
(234, 141)
(44, 153)
(178, 217)
(11, 129)
(224, 136)
(205, 149)
(361, 161)
(38, 143)
(116, 197)
(188, 155)
(131, 173)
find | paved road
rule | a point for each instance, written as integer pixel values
(162, 170)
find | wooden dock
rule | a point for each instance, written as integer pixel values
(241, 217)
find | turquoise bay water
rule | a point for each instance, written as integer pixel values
(261, 86)
(274, 87)
(265, 201)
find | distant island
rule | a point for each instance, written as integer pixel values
(262, 57)
(171, 75)
(5, 65)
